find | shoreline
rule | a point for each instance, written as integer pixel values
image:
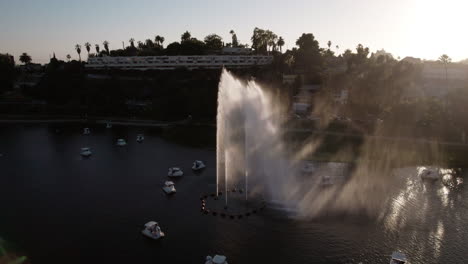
(23, 119)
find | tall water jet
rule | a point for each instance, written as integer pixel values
(248, 138)
(251, 151)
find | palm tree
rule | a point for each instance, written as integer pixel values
(132, 42)
(78, 50)
(280, 43)
(88, 47)
(97, 49)
(68, 57)
(271, 39)
(157, 40)
(25, 58)
(161, 40)
(234, 42)
(445, 59)
(106, 46)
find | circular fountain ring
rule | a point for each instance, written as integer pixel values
(225, 213)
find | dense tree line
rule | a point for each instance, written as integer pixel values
(263, 42)
(7, 72)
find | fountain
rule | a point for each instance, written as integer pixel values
(249, 144)
(252, 152)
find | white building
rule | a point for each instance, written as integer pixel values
(235, 50)
(173, 62)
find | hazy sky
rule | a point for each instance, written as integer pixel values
(419, 28)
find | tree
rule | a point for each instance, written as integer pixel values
(88, 47)
(192, 47)
(68, 57)
(7, 72)
(186, 36)
(307, 42)
(235, 42)
(272, 38)
(78, 50)
(157, 40)
(258, 40)
(214, 42)
(97, 48)
(362, 54)
(280, 44)
(262, 39)
(329, 43)
(149, 43)
(106, 46)
(161, 40)
(132, 42)
(173, 48)
(445, 59)
(25, 58)
(308, 55)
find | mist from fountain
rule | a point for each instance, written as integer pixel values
(252, 152)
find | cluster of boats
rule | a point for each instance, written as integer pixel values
(86, 151)
(153, 230)
(176, 172)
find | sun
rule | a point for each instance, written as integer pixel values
(437, 27)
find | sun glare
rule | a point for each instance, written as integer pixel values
(437, 27)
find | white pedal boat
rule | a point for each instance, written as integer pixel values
(85, 152)
(121, 142)
(152, 230)
(175, 172)
(217, 259)
(169, 187)
(429, 174)
(198, 165)
(398, 258)
(140, 138)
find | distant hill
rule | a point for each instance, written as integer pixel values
(465, 61)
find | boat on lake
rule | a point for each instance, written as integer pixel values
(169, 187)
(121, 142)
(152, 230)
(431, 174)
(140, 138)
(175, 172)
(198, 165)
(217, 259)
(398, 258)
(85, 152)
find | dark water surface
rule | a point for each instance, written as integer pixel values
(58, 207)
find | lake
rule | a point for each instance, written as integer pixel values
(56, 206)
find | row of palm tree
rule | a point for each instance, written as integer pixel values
(158, 40)
(88, 48)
